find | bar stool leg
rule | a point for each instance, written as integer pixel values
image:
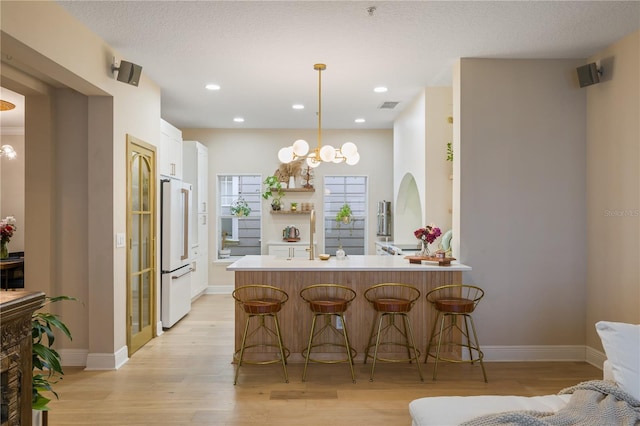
(431, 337)
(480, 354)
(244, 340)
(346, 342)
(308, 354)
(375, 353)
(281, 345)
(413, 344)
(435, 368)
(371, 336)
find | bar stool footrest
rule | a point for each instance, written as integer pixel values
(236, 355)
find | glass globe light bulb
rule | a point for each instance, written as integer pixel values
(285, 155)
(327, 153)
(312, 162)
(300, 147)
(353, 160)
(348, 149)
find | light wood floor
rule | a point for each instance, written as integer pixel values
(185, 377)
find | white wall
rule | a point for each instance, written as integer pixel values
(421, 133)
(438, 170)
(80, 60)
(409, 172)
(522, 216)
(613, 188)
(258, 154)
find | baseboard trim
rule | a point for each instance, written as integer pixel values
(534, 353)
(73, 357)
(106, 361)
(219, 289)
(595, 357)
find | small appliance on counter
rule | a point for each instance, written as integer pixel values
(291, 234)
(384, 219)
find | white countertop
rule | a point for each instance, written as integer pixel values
(351, 263)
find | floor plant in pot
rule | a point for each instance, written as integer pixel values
(46, 361)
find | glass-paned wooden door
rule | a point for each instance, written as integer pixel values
(141, 253)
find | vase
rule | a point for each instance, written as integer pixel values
(4, 250)
(292, 182)
(425, 250)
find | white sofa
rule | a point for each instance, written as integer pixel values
(453, 410)
(622, 347)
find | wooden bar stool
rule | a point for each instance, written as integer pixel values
(451, 302)
(391, 300)
(260, 302)
(328, 301)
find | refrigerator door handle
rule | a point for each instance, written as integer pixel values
(175, 277)
(185, 222)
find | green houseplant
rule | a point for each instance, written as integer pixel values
(46, 361)
(344, 214)
(240, 207)
(273, 188)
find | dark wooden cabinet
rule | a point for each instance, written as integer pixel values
(16, 308)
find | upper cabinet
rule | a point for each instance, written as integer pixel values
(170, 151)
(196, 160)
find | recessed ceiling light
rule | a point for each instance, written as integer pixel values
(380, 89)
(239, 120)
(212, 87)
(359, 120)
(297, 106)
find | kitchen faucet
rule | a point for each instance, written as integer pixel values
(312, 229)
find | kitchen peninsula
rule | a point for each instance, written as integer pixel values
(357, 272)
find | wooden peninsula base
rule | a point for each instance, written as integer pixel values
(356, 272)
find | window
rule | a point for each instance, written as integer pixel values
(239, 234)
(340, 190)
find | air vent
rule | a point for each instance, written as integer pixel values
(388, 105)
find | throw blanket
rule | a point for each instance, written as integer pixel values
(592, 403)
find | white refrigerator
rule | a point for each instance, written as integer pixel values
(176, 251)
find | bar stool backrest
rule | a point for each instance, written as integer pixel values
(328, 298)
(392, 297)
(260, 299)
(455, 298)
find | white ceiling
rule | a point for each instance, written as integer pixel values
(262, 52)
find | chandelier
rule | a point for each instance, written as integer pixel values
(348, 153)
(8, 151)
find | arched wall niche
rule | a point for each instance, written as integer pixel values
(408, 211)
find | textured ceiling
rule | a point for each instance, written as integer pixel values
(262, 52)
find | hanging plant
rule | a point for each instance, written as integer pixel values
(344, 214)
(240, 207)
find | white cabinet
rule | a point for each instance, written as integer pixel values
(196, 172)
(170, 151)
(203, 179)
(298, 250)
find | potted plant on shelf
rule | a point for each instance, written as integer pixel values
(46, 361)
(240, 207)
(273, 188)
